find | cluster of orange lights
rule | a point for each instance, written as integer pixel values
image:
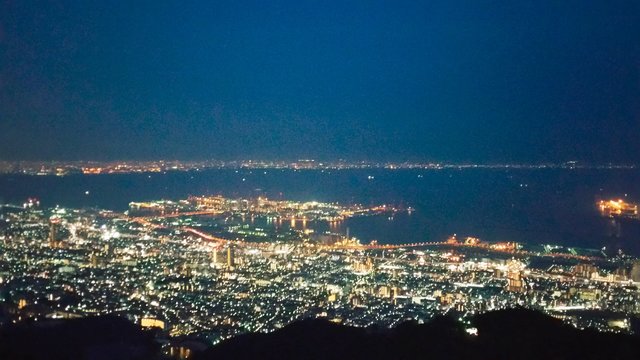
(618, 208)
(96, 170)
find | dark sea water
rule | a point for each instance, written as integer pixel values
(529, 206)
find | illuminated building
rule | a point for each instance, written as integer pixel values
(618, 208)
(514, 282)
(53, 229)
(471, 241)
(514, 276)
(635, 271)
(186, 270)
(208, 202)
(363, 267)
(585, 270)
(230, 259)
(146, 208)
(149, 323)
(22, 303)
(384, 291)
(326, 239)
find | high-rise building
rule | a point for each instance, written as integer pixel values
(230, 259)
(514, 281)
(514, 276)
(585, 270)
(635, 271)
(53, 229)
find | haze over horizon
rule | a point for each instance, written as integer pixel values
(477, 81)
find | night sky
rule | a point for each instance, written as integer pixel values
(484, 81)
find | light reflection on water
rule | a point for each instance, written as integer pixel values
(555, 206)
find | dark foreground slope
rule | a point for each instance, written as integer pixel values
(95, 338)
(509, 334)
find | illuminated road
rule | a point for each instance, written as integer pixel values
(463, 245)
(208, 237)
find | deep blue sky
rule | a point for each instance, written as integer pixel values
(436, 80)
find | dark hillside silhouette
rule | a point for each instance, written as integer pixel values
(506, 334)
